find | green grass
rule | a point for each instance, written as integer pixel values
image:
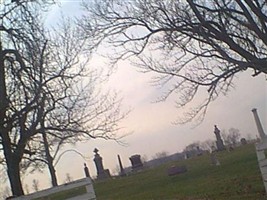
(237, 178)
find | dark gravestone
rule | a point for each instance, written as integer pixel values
(101, 172)
(136, 162)
(86, 171)
(219, 142)
(122, 172)
(174, 170)
(243, 141)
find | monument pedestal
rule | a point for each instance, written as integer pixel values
(261, 148)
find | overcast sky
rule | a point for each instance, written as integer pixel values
(151, 123)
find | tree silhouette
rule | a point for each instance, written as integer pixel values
(48, 96)
(193, 46)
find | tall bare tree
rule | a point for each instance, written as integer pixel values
(194, 46)
(47, 96)
(232, 137)
(21, 55)
(76, 109)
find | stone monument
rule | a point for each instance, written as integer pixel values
(101, 172)
(258, 124)
(86, 171)
(243, 141)
(122, 172)
(136, 162)
(219, 142)
(261, 148)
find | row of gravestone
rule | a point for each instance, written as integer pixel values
(137, 164)
(103, 173)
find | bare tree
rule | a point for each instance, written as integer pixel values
(207, 144)
(231, 137)
(77, 110)
(234, 136)
(47, 96)
(21, 55)
(225, 138)
(192, 147)
(144, 158)
(193, 46)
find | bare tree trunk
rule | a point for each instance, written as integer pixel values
(13, 172)
(3, 98)
(49, 161)
(12, 161)
(13, 169)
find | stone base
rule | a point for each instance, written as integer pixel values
(103, 174)
(220, 145)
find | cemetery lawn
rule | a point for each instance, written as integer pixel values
(237, 178)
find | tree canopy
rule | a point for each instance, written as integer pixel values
(191, 44)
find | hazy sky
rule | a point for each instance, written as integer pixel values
(152, 122)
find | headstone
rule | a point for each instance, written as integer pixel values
(86, 171)
(219, 142)
(243, 141)
(122, 172)
(174, 170)
(136, 162)
(214, 159)
(101, 172)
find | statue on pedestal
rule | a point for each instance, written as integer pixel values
(219, 142)
(101, 172)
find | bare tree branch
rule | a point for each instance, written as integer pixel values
(190, 45)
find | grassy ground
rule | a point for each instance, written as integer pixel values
(237, 178)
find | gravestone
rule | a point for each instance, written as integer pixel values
(243, 141)
(86, 171)
(136, 162)
(175, 170)
(219, 142)
(101, 172)
(122, 172)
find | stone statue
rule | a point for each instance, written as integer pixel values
(219, 142)
(101, 172)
